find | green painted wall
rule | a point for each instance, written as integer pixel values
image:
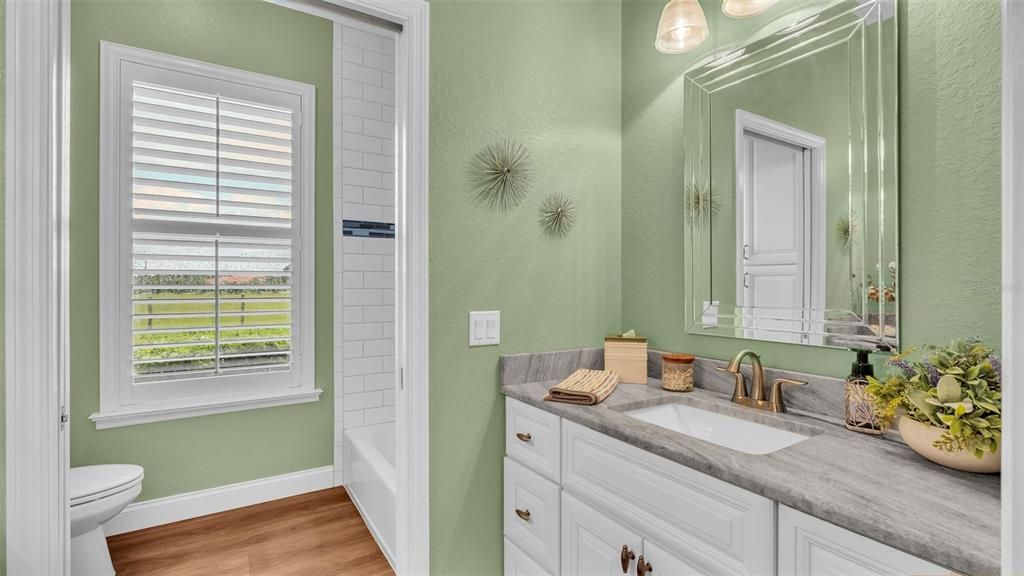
(950, 181)
(184, 455)
(547, 74)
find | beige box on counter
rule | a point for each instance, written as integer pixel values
(627, 357)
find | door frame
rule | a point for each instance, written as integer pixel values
(814, 211)
(36, 278)
(1013, 284)
(36, 286)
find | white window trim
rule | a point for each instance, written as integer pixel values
(115, 236)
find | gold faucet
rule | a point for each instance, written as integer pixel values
(756, 399)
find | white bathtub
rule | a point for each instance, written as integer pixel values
(370, 480)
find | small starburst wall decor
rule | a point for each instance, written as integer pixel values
(503, 174)
(557, 214)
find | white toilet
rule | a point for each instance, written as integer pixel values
(98, 493)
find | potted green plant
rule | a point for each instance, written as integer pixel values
(949, 404)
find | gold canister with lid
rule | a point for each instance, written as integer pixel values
(677, 372)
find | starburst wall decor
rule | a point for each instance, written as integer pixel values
(557, 214)
(503, 174)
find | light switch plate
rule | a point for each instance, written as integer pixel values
(485, 328)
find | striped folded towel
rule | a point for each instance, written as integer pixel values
(586, 387)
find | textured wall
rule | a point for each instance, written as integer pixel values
(950, 191)
(184, 455)
(547, 74)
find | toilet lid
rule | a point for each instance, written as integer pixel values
(88, 483)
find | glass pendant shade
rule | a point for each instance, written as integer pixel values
(682, 27)
(745, 8)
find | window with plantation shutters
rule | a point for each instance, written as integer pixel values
(207, 228)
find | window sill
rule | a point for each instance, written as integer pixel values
(204, 407)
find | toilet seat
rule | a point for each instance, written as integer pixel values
(90, 483)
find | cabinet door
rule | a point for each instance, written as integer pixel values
(809, 546)
(592, 543)
(665, 563)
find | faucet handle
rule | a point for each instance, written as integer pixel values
(775, 399)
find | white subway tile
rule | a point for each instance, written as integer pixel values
(360, 177)
(363, 400)
(351, 194)
(387, 80)
(378, 128)
(350, 53)
(379, 61)
(352, 314)
(361, 297)
(351, 279)
(382, 381)
(378, 348)
(339, 404)
(387, 46)
(378, 280)
(349, 89)
(363, 74)
(365, 40)
(353, 245)
(379, 196)
(362, 143)
(387, 264)
(379, 246)
(378, 162)
(378, 95)
(353, 350)
(361, 108)
(379, 314)
(364, 212)
(352, 384)
(338, 391)
(388, 397)
(353, 419)
(363, 366)
(373, 331)
(387, 297)
(387, 112)
(350, 125)
(362, 263)
(379, 415)
(387, 330)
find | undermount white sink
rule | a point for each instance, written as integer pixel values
(732, 433)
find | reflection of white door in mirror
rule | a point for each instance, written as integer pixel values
(779, 238)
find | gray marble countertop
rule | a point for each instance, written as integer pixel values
(873, 486)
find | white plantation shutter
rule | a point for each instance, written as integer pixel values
(206, 238)
(206, 299)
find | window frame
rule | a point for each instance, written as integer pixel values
(122, 402)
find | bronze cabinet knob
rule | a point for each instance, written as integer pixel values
(625, 557)
(643, 567)
(524, 514)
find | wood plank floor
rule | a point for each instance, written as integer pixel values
(320, 533)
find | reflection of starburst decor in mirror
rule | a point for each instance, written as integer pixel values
(557, 214)
(503, 174)
(701, 204)
(846, 229)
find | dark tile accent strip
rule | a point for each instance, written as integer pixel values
(367, 229)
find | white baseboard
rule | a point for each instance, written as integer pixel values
(212, 500)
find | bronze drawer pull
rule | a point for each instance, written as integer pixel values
(626, 556)
(524, 514)
(643, 567)
(524, 437)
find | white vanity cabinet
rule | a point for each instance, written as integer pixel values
(589, 504)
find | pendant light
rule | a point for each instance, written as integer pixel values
(682, 27)
(745, 8)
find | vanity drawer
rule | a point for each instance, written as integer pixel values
(707, 522)
(518, 563)
(809, 546)
(532, 512)
(533, 437)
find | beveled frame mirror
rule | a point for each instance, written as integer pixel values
(791, 183)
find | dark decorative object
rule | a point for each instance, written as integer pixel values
(557, 214)
(503, 174)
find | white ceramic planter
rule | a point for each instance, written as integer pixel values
(921, 437)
